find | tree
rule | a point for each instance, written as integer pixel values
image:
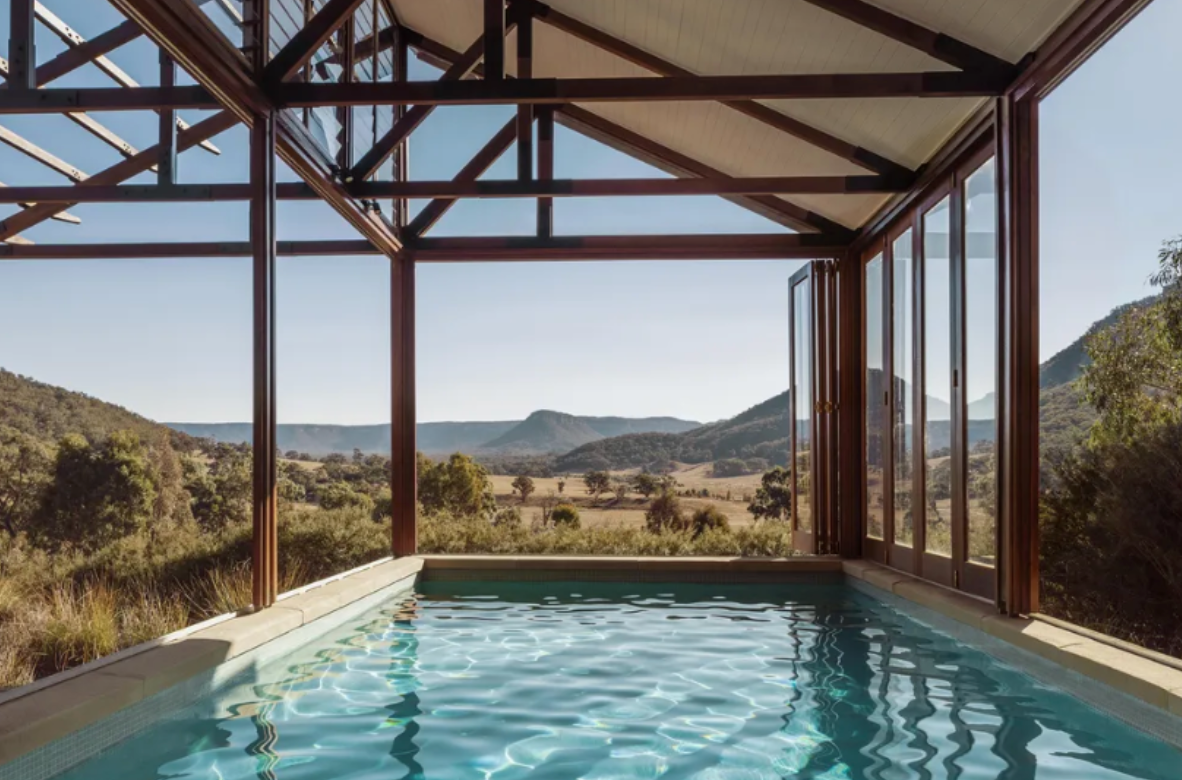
(565, 515)
(220, 491)
(458, 485)
(707, 518)
(508, 517)
(644, 483)
(337, 495)
(597, 483)
(24, 476)
(383, 507)
(99, 494)
(664, 514)
(773, 498)
(523, 486)
(620, 487)
(561, 485)
(1135, 377)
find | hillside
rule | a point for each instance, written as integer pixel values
(544, 431)
(1068, 363)
(48, 412)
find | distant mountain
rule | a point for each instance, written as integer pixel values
(542, 432)
(48, 412)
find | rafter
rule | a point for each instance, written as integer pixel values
(35, 152)
(304, 44)
(73, 40)
(757, 111)
(64, 216)
(935, 44)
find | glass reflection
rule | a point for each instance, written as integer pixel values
(875, 400)
(803, 401)
(937, 352)
(902, 352)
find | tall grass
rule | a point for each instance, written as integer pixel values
(63, 610)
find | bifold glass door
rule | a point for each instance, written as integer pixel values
(930, 386)
(812, 298)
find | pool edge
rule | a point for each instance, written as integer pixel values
(1146, 682)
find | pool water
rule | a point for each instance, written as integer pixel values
(499, 681)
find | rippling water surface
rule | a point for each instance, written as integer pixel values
(564, 680)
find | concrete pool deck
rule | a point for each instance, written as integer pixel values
(51, 709)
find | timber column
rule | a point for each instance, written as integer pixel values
(265, 499)
(403, 479)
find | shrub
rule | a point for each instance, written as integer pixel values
(730, 467)
(79, 625)
(708, 517)
(664, 514)
(565, 515)
(508, 517)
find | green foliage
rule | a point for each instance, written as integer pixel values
(597, 483)
(644, 483)
(730, 467)
(508, 517)
(383, 507)
(773, 498)
(99, 494)
(665, 514)
(523, 486)
(337, 495)
(458, 485)
(220, 491)
(708, 518)
(24, 476)
(565, 515)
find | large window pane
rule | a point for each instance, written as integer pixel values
(803, 400)
(937, 354)
(875, 392)
(902, 298)
(981, 361)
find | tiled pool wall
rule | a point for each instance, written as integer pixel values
(1134, 690)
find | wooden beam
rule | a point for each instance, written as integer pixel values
(545, 169)
(414, 116)
(934, 44)
(32, 150)
(287, 62)
(82, 54)
(199, 249)
(757, 111)
(166, 167)
(22, 55)
(480, 162)
(64, 101)
(73, 40)
(670, 247)
(119, 172)
(494, 35)
(797, 86)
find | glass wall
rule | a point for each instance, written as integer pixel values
(932, 301)
(803, 401)
(875, 399)
(937, 359)
(903, 332)
(981, 360)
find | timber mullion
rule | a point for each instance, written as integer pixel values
(166, 167)
(22, 53)
(494, 37)
(545, 170)
(525, 113)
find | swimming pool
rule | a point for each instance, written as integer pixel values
(501, 680)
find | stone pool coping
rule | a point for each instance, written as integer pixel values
(1156, 684)
(63, 704)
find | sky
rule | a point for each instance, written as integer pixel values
(170, 339)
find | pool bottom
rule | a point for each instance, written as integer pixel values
(505, 680)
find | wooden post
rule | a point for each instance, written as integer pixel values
(494, 40)
(403, 477)
(545, 169)
(166, 166)
(402, 155)
(850, 404)
(525, 113)
(265, 497)
(22, 54)
(1017, 146)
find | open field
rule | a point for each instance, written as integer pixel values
(629, 512)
